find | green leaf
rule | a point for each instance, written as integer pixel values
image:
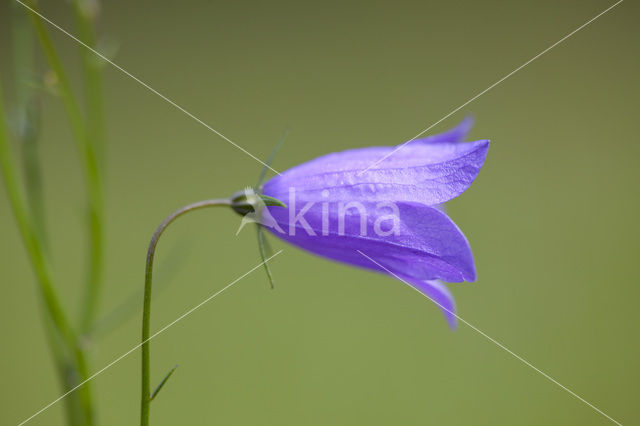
(162, 382)
(276, 148)
(263, 247)
(270, 201)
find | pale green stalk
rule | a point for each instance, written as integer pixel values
(93, 184)
(95, 129)
(39, 261)
(27, 110)
(28, 122)
(90, 168)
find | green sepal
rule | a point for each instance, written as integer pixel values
(265, 251)
(241, 205)
(272, 156)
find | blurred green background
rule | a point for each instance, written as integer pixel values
(552, 218)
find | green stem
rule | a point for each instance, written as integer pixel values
(27, 106)
(92, 179)
(89, 162)
(145, 397)
(66, 93)
(67, 374)
(38, 259)
(94, 111)
(92, 68)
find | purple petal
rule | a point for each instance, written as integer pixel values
(439, 294)
(425, 244)
(454, 135)
(428, 173)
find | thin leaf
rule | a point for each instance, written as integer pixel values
(270, 201)
(263, 243)
(168, 268)
(276, 148)
(268, 250)
(264, 247)
(162, 382)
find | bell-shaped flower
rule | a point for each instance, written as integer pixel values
(380, 208)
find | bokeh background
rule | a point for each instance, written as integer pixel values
(552, 218)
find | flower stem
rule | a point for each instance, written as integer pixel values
(146, 311)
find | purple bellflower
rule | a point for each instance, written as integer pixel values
(378, 208)
(386, 204)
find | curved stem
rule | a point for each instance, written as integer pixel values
(146, 312)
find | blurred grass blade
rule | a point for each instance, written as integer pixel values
(162, 382)
(40, 264)
(90, 171)
(168, 267)
(276, 148)
(86, 13)
(28, 116)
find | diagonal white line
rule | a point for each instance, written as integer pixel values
(492, 86)
(145, 85)
(124, 355)
(500, 345)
